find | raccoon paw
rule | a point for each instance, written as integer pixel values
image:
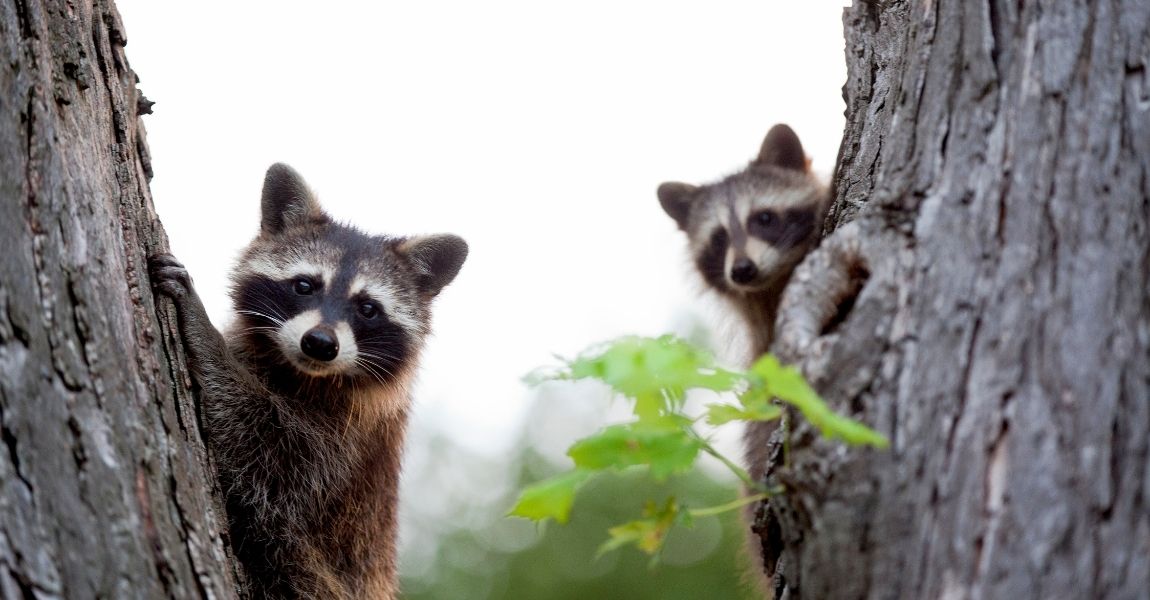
(169, 277)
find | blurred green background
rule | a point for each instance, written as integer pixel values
(457, 543)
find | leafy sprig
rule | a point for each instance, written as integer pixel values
(655, 374)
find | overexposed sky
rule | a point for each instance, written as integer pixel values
(536, 130)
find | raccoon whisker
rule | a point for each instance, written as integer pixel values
(380, 357)
(376, 344)
(271, 309)
(381, 338)
(377, 353)
(374, 366)
(385, 335)
(273, 312)
(264, 306)
(381, 371)
(365, 348)
(253, 313)
(254, 329)
(265, 303)
(371, 370)
(347, 422)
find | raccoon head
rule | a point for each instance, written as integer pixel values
(330, 301)
(748, 231)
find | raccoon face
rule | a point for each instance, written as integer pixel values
(331, 301)
(748, 231)
(325, 318)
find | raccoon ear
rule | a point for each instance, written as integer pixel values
(287, 201)
(782, 148)
(675, 198)
(436, 258)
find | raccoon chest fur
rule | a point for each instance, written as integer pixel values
(312, 499)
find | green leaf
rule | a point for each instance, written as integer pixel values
(719, 414)
(663, 445)
(788, 385)
(648, 533)
(551, 498)
(664, 366)
(649, 407)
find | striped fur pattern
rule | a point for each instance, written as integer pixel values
(306, 396)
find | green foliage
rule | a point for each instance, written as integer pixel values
(551, 498)
(657, 442)
(484, 556)
(655, 374)
(663, 367)
(754, 409)
(647, 533)
(788, 385)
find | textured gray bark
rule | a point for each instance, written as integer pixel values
(106, 490)
(996, 164)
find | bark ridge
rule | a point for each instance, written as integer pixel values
(106, 486)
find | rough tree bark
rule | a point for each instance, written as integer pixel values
(996, 166)
(107, 492)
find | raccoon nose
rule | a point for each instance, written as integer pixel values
(320, 343)
(743, 271)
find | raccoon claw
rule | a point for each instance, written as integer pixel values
(169, 276)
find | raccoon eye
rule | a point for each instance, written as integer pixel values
(303, 287)
(368, 310)
(765, 218)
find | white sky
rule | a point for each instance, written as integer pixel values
(536, 130)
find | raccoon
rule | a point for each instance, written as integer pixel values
(747, 233)
(305, 397)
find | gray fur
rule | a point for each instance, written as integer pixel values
(782, 148)
(675, 198)
(437, 259)
(287, 201)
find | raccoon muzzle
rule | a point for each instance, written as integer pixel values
(320, 343)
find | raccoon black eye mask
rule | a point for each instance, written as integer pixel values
(306, 396)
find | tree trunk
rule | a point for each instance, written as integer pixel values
(996, 164)
(107, 492)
